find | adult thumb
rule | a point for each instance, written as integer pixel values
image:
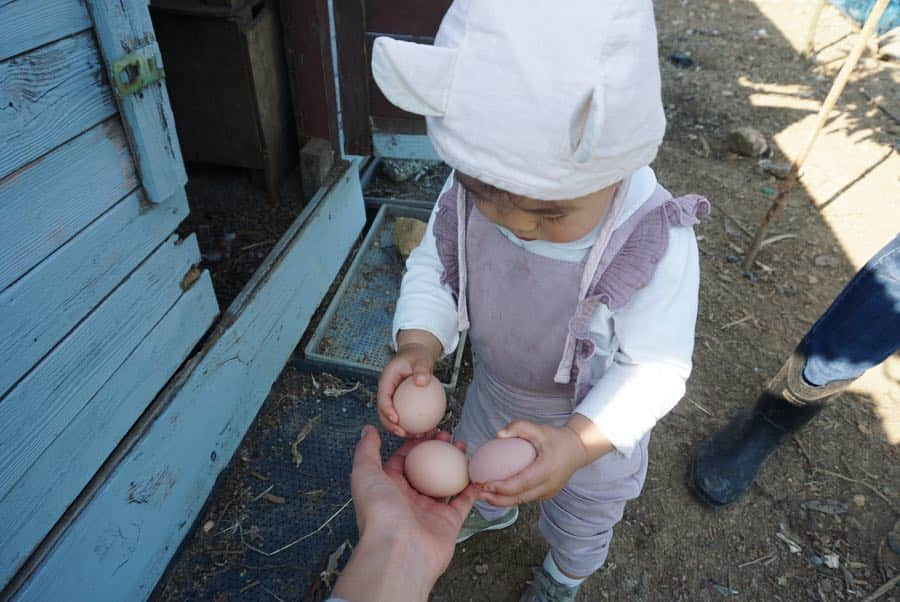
(367, 456)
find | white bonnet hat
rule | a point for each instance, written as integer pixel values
(549, 99)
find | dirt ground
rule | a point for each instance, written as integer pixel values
(773, 545)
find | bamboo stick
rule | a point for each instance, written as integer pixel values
(786, 185)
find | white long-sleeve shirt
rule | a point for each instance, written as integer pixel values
(644, 349)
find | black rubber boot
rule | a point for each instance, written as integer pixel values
(726, 463)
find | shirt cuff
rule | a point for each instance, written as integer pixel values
(628, 401)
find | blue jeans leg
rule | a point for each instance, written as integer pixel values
(862, 326)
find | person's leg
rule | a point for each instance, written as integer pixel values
(859, 330)
(480, 421)
(578, 522)
(862, 326)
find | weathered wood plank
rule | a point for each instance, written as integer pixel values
(49, 96)
(124, 27)
(49, 201)
(118, 550)
(27, 24)
(45, 304)
(403, 146)
(40, 407)
(307, 48)
(265, 49)
(353, 71)
(38, 500)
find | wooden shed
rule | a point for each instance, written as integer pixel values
(124, 388)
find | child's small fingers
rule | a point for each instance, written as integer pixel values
(388, 413)
(529, 478)
(421, 370)
(502, 501)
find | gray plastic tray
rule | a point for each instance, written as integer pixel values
(354, 335)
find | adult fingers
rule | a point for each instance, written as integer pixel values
(367, 456)
(463, 502)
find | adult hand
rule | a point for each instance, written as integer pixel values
(406, 539)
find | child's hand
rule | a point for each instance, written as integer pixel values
(416, 355)
(560, 452)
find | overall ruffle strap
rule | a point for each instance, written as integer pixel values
(629, 262)
(446, 225)
(450, 240)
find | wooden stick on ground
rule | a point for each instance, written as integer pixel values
(810, 42)
(786, 185)
(884, 588)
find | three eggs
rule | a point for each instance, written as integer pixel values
(439, 469)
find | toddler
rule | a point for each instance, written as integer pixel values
(574, 272)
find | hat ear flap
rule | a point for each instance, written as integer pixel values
(414, 77)
(586, 125)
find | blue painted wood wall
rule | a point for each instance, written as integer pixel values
(96, 312)
(113, 428)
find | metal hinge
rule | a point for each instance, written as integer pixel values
(137, 70)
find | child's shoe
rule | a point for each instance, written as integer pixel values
(476, 524)
(544, 588)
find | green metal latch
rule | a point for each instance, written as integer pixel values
(137, 70)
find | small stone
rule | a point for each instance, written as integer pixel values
(832, 560)
(826, 261)
(859, 500)
(208, 526)
(826, 507)
(748, 141)
(408, 233)
(812, 279)
(682, 60)
(481, 569)
(778, 169)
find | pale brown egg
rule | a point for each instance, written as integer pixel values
(436, 468)
(499, 459)
(420, 409)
